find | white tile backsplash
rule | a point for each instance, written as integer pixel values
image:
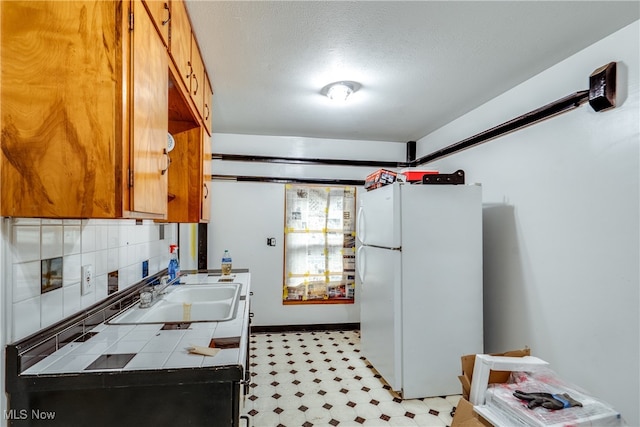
(88, 258)
(71, 299)
(72, 239)
(108, 245)
(51, 243)
(26, 317)
(113, 258)
(71, 269)
(26, 280)
(27, 221)
(51, 307)
(88, 299)
(88, 238)
(113, 236)
(101, 290)
(26, 243)
(46, 221)
(100, 262)
(101, 237)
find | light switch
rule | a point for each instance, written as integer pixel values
(87, 279)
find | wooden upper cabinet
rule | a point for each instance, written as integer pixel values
(61, 86)
(180, 41)
(74, 145)
(187, 175)
(206, 106)
(86, 106)
(149, 118)
(161, 16)
(197, 87)
(205, 216)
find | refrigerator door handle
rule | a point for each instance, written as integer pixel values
(360, 224)
(360, 264)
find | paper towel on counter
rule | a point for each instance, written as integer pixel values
(205, 351)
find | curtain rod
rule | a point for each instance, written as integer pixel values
(353, 182)
(560, 106)
(307, 161)
(600, 95)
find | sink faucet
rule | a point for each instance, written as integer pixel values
(150, 294)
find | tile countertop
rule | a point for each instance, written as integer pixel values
(155, 348)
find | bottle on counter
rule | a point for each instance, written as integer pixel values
(174, 263)
(226, 263)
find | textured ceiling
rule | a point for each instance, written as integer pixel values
(421, 63)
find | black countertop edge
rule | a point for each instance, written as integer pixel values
(126, 378)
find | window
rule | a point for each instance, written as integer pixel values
(319, 244)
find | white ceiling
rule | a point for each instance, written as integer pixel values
(421, 63)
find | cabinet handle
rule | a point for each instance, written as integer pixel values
(166, 7)
(251, 314)
(195, 91)
(165, 153)
(190, 67)
(207, 109)
(206, 188)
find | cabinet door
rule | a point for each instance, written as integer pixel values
(205, 216)
(161, 15)
(206, 106)
(149, 120)
(180, 40)
(185, 177)
(60, 99)
(197, 87)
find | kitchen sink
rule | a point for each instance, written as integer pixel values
(186, 303)
(194, 293)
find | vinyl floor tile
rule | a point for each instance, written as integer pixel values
(320, 378)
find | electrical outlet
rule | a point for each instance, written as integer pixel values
(87, 279)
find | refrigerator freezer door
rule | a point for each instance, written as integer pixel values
(378, 221)
(380, 314)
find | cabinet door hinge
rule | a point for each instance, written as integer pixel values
(130, 21)
(130, 178)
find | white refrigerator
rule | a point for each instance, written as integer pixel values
(419, 262)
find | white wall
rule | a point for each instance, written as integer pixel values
(561, 223)
(244, 214)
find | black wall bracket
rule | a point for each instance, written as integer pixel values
(602, 87)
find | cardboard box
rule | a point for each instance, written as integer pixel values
(379, 178)
(412, 175)
(465, 416)
(469, 360)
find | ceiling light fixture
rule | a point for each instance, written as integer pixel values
(340, 91)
